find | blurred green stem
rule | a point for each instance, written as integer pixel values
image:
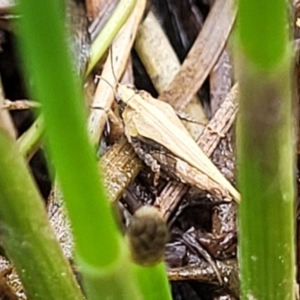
(104, 39)
(99, 248)
(30, 141)
(266, 156)
(153, 282)
(98, 243)
(26, 234)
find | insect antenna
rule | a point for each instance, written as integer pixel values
(105, 80)
(114, 85)
(118, 97)
(112, 63)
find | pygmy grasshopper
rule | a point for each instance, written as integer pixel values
(149, 119)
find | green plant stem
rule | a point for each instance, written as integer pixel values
(115, 281)
(72, 154)
(153, 282)
(265, 152)
(26, 234)
(98, 243)
(102, 255)
(30, 141)
(258, 23)
(266, 177)
(113, 25)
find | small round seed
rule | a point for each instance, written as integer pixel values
(147, 235)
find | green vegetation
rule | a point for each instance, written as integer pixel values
(265, 151)
(100, 250)
(265, 167)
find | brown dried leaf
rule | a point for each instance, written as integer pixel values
(202, 56)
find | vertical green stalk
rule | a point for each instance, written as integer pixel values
(102, 255)
(30, 141)
(103, 40)
(48, 62)
(153, 282)
(266, 156)
(99, 248)
(26, 234)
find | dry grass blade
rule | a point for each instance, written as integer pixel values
(203, 55)
(19, 104)
(99, 12)
(104, 95)
(205, 273)
(120, 165)
(220, 123)
(156, 53)
(220, 80)
(162, 65)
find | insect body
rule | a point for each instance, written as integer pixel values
(155, 120)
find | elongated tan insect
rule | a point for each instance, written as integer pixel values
(148, 118)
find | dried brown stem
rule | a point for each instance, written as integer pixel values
(202, 56)
(204, 272)
(162, 65)
(19, 104)
(220, 80)
(114, 67)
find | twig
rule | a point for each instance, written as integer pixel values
(203, 54)
(19, 104)
(104, 95)
(203, 272)
(162, 66)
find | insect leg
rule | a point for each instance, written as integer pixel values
(146, 157)
(110, 114)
